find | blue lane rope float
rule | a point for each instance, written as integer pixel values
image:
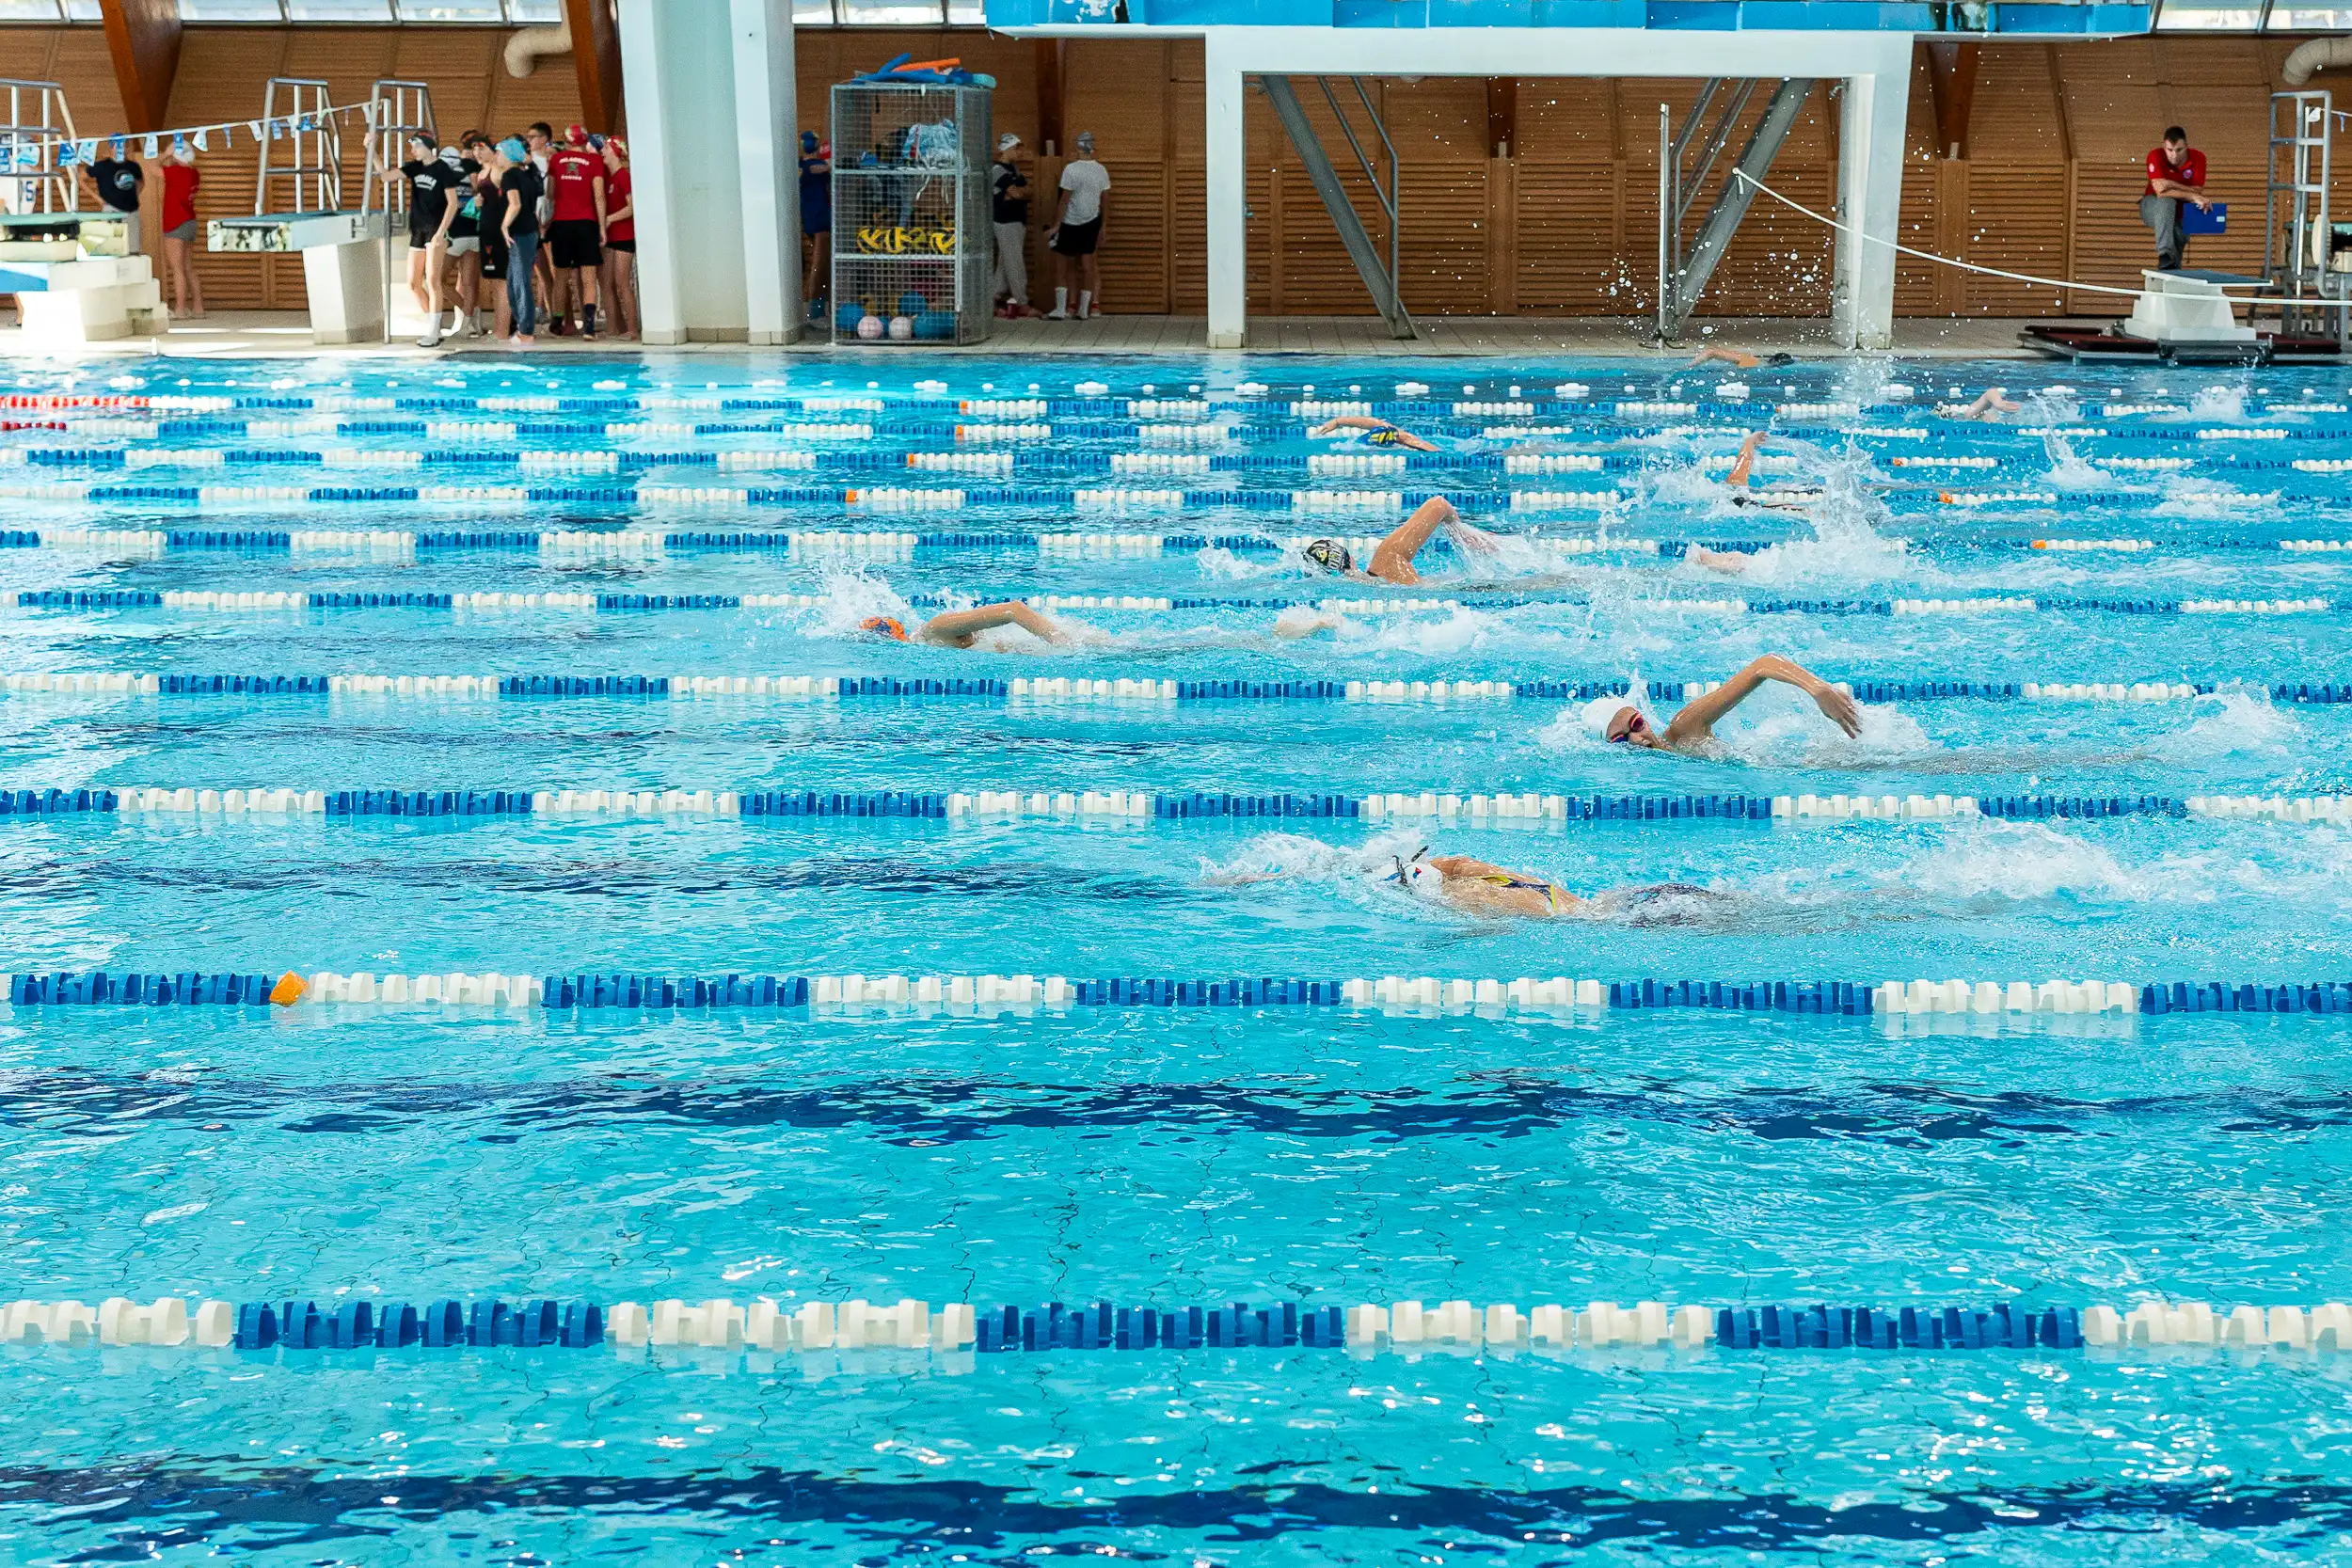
(1360, 1328)
(1162, 806)
(1421, 995)
(1078, 690)
(250, 600)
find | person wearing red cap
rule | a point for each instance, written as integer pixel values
(620, 241)
(576, 236)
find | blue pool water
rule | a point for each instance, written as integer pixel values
(1173, 1156)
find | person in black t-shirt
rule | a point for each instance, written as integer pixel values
(118, 180)
(431, 182)
(519, 222)
(1008, 210)
(465, 233)
(491, 207)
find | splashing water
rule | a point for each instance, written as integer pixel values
(1214, 561)
(2050, 406)
(1459, 632)
(1794, 730)
(2188, 496)
(852, 594)
(2069, 471)
(2224, 404)
(2230, 723)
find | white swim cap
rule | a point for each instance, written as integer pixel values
(1602, 709)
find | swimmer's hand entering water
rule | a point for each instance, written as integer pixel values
(1699, 716)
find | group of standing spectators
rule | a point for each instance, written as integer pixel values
(553, 223)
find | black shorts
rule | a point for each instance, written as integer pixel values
(573, 243)
(493, 254)
(627, 247)
(1078, 239)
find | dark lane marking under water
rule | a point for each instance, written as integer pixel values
(134, 1512)
(953, 1110)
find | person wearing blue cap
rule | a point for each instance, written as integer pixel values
(518, 182)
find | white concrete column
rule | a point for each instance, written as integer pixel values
(1228, 192)
(1870, 134)
(768, 141)
(688, 192)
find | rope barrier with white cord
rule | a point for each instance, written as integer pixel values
(1997, 271)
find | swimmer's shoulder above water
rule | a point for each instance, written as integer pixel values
(960, 628)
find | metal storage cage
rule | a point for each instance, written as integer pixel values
(912, 244)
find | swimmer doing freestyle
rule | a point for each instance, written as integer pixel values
(960, 628)
(1621, 723)
(1392, 558)
(1477, 887)
(1486, 891)
(1378, 432)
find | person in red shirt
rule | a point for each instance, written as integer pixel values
(576, 231)
(179, 230)
(620, 240)
(2176, 173)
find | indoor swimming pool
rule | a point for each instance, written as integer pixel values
(533, 1037)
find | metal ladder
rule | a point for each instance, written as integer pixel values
(2298, 240)
(395, 110)
(34, 180)
(1379, 279)
(1683, 272)
(317, 170)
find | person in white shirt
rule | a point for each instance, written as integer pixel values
(1075, 236)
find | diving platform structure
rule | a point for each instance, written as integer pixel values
(1858, 53)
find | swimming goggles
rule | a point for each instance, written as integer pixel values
(1623, 736)
(1405, 867)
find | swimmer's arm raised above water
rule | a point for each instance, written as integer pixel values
(956, 629)
(1699, 716)
(1392, 559)
(1362, 422)
(1744, 465)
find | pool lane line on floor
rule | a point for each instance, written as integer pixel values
(1365, 1328)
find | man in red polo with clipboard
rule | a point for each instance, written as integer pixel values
(2176, 173)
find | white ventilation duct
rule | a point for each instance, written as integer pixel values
(2317, 54)
(525, 48)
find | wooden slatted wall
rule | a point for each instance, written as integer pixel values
(1566, 224)
(222, 73)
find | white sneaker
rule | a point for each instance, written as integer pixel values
(1056, 315)
(431, 340)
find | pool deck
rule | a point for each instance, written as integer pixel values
(244, 334)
